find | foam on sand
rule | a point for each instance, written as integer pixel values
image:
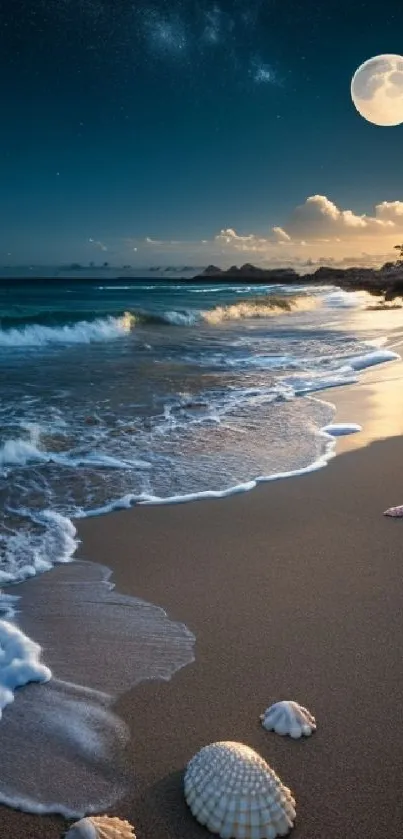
(30, 552)
(19, 663)
(145, 499)
(150, 644)
(340, 429)
(65, 749)
(361, 362)
(70, 721)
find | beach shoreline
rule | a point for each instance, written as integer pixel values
(293, 591)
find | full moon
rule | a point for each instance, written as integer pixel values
(377, 89)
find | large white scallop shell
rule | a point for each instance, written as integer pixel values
(287, 717)
(101, 827)
(233, 792)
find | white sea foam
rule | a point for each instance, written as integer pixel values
(263, 306)
(144, 499)
(361, 362)
(83, 332)
(344, 299)
(340, 429)
(301, 385)
(180, 318)
(343, 375)
(210, 290)
(21, 452)
(69, 722)
(65, 750)
(19, 662)
(150, 644)
(30, 552)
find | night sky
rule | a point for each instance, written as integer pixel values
(184, 131)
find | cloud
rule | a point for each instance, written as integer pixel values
(319, 217)
(98, 244)
(316, 232)
(319, 221)
(156, 242)
(392, 210)
(282, 236)
(229, 235)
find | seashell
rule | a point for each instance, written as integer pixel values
(101, 827)
(288, 717)
(233, 792)
(395, 512)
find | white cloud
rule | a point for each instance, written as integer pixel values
(392, 210)
(229, 235)
(316, 232)
(319, 221)
(319, 217)
(282, 236)
(98, 244)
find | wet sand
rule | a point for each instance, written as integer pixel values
(294, 590)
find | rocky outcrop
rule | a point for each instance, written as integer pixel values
(249, 272)
(386, 281)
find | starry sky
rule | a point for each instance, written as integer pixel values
(187, 131)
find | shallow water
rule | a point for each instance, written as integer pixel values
(137, 393)
(149, 390)
(64, 743)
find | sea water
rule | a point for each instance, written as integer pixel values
(131, 392)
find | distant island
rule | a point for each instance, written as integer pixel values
(385, 282)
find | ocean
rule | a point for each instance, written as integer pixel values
(114, 394)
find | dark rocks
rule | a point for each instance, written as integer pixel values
(386, 281)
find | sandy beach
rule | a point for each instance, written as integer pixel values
(201, 419)
(293, 590)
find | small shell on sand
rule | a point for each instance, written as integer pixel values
(395, 512)
(101, 827)
(287, 717)
(233, 792)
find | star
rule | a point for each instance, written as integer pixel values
(165, 35)
(262, 73)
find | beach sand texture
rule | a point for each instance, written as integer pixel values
(293, 591)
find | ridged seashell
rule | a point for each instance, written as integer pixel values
(101, 827)
(288, 717)
(395, 512)
(233, 792)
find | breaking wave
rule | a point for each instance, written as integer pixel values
(48, 539)
(49, 329)
(83, 332)
(259, 307)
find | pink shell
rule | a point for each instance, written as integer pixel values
(396, 512)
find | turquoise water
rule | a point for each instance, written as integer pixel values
(113, 393)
